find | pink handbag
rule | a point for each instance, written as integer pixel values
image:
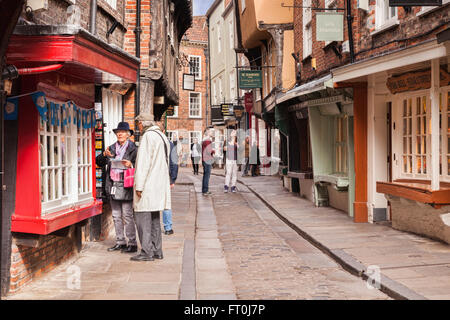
(128, 178)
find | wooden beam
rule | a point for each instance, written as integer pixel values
(434, 94)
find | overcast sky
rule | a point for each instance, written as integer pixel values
(201, 6)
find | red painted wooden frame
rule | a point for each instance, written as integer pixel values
(27, 217)
(86, 59)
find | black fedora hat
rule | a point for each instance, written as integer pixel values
(124, 126)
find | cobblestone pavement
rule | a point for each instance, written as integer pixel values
(268, 260)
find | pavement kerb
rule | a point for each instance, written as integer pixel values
(388, 286)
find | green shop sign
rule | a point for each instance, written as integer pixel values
(329, 26)
(250, 79)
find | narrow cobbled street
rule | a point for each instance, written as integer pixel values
(225, 246)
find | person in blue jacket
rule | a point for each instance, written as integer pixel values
(173, 173)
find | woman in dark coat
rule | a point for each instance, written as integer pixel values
(117, 158)
(196, 154)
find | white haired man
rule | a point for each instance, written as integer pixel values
(151, 186)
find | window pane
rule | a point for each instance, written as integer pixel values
(56, 151)
(49, 151)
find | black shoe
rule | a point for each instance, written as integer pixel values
(157, 256)
(117, 247)
(168, 232)
(141, 257)
(129, 249)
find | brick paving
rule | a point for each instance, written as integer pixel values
(267, 260)
(412, 266)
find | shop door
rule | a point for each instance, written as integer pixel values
(112, 114)
(389, 141)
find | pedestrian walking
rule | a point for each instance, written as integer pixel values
(117, 158)
(173, 173)
(231, 151)
(207, 161)
(196, 155)
(151, 186)
(254, 159)
(246, 146)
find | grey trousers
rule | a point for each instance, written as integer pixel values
(122, 212)
(149, 230)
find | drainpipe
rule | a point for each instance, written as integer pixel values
(349, 29)
(210, 77)
(137, 98)
(93, 18)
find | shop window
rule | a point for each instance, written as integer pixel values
(341, 165)
(407, 137)
(416, 134)
(65, 162)
(421, 136)
(195, 108)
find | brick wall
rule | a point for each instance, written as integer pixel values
(194, 42)
(411, 27)
(58, 13)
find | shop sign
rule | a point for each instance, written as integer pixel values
(227, 110)
(329, 26)
(415, 81)
(411, 3)
(250, 79)
(188, 82)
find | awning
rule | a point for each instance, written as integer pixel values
(424, 52)
(84, 56)
(315, 85)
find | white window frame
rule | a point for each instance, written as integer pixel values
(112, 104)
(112, 3)
(198, 135)
(383, 15)
(61, 191)
(398, 144)
(219, 38)
(425, 10)
(341, 145)
(192, 70)
(220, 90)
(169, 134)
(231, 33)
(232, 84)
(307, 29)
(175, 112)
(199, 95)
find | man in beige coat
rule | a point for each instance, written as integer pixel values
(151, 187)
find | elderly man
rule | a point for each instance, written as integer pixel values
(151, 186)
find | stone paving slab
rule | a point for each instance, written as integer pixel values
(112, 276)
(370, 244)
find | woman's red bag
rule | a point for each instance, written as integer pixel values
(128, 178)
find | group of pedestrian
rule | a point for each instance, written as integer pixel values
(231, 149)
(138, 185)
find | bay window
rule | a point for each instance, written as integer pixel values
(415, 142)
(65, 160)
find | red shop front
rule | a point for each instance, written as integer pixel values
(55, 173)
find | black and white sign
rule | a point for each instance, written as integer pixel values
(188, 82)
(411, 3)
